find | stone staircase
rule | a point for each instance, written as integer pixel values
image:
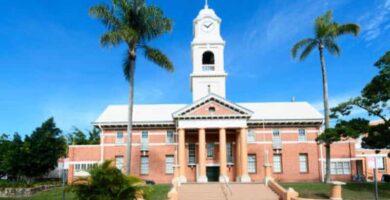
(221, 191)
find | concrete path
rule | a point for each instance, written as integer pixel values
(219, 191)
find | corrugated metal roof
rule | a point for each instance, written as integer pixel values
(163, 112)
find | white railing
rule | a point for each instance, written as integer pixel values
(207, 68)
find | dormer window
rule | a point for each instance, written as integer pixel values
(208, 61)
(212, 109)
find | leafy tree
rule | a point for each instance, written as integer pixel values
(94, 136)
(44, 147)
(16, 157)
(135, 24)
(326, 33)
(78, 137)
(4, 148)
(374, 100)
(106, 182)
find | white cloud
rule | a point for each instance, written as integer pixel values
(373, 22)
(336, 100)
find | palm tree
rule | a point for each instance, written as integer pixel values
(326, 33)
(135, 24)
(108, 182)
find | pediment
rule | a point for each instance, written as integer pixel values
(213, 106)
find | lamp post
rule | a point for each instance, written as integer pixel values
(375, 174)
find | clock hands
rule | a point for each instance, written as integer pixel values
(208, 26)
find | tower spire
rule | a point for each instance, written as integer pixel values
(206, 5)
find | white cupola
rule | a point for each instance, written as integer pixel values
(208, 75)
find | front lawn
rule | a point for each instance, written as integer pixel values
(159, 193)
(351, 191)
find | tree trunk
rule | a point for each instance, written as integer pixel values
(327, 165)
(325, 86)
(326, 109)
(132, 57)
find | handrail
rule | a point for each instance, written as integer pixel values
(227, 185)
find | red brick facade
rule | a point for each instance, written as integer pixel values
(159, 149)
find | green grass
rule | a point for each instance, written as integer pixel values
(351, 191)
(159, 193)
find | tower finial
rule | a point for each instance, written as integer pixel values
(206, 5)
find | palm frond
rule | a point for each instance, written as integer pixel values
(324, 26)
(106, 15)
(309, 48)
(332, 47)
(353, 29)
(112, 38)
(158, 57)
(299, 45)
(156, 22)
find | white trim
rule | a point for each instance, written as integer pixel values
(371, 155)
(212, 123)
(286, 142)
(343, 142)
(82, 162)
(138, 144)
(84, 145)
(134, 134)
(284, 131)
(339, 159)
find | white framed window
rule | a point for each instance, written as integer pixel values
(340, 167)
(119, 138)
(144, 141)
(252, 164)
(277, 163)
(229, 153)
(144, 165)
(119, 162)
(276, 139)
(303, 163)
(81, 169)
(301, 135)
(210, 150)
(145, 137)
(192, 154)
(169, 163)
(251, 137)
(380, 163)
(170, 137)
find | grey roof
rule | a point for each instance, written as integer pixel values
(153, 113)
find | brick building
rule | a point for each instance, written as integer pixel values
(212, 138)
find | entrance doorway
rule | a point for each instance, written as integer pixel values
(212, 173)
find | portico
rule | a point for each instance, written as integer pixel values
(212, 133)
(206, 136)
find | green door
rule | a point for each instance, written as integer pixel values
(212, 174)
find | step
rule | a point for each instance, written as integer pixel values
(220, 191)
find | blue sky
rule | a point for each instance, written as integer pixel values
(51, 63)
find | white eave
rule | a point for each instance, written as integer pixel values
(243, 112)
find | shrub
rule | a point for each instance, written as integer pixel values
(106, 182)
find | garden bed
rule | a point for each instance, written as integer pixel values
(24, 189)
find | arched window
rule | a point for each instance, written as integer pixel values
(208, 58)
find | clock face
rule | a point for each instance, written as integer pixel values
(207, 25)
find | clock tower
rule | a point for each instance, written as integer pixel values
(208, 75)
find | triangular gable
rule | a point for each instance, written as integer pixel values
(212, 106)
